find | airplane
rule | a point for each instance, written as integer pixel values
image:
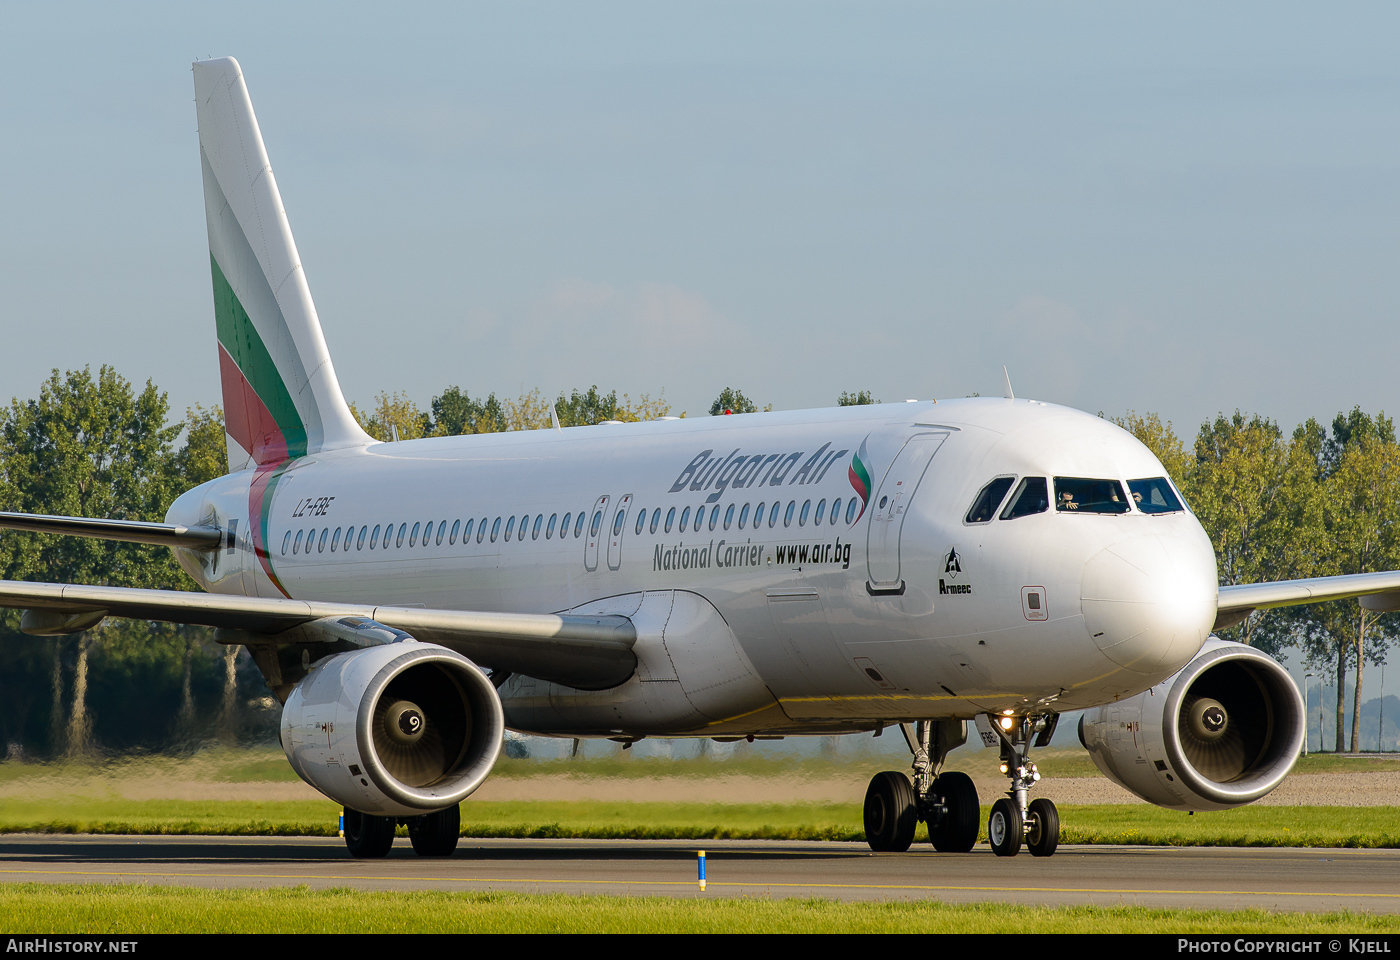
(913, 565)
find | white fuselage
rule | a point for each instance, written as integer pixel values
(904, 611)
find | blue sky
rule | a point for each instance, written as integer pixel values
(1183, 209)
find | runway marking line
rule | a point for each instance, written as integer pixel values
(691, 883)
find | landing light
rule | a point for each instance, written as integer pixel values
(1008, 722)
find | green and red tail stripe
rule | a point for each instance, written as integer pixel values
(859, 475)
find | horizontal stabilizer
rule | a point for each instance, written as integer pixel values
(589, 652)
(129, 531)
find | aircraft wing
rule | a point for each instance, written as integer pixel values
(1378, 591)
(581, 651)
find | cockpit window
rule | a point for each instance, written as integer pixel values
(1078, 495)
(985, 506)
(1154, 495)
(1030, 497)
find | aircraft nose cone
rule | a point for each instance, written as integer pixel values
(1149, 601)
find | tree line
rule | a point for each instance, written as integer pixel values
(97, 446)
(1323, 500)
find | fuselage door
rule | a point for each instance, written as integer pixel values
(891, 504)
(597, 529)
(617, 526)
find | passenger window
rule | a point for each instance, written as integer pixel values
(374, 537)
(1079, 495)
(442, 532)
(452, 538)
(758, 516)
(286, 542)
(743, 516)
(321, 544)
(578, 525)
(851, 511)
(714, 516)
(670, 518)
(802, 517)
(685, 519)
(467, 532)
(617, 522)
(413, 534)
(655, 519)
(481, 531)
(510, 526)
(821, 511)
(296, 547)
(495, 529)
(1031, 497)
(403, 531)
(335, 540)
(984, 508)
(553, 522)
(641, 522)
(699, 518)
(597, 523)
(564, 527)
(1154, 495)
(729, 516)
(787, 517)
(773, 514)
(835, 510)
(360, 543)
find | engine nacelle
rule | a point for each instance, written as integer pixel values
(394, 730)
(1222, 732)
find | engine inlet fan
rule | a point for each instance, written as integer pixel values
(422, 725)
(1225, 722)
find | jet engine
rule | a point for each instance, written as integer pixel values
(1222, 732)
(398, 729)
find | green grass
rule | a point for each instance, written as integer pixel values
(129, 910)
(1119, 824)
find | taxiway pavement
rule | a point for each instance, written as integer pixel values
(1292, 879)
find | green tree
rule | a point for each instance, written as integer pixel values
(95, 448)
(732, 401)
(395, 416)
(857, 399)
(456, 413)
(204, 456)
(1257, 496)
(1359, 469)
(581, 408)
(1162, 440)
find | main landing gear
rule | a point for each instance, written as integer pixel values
(432, 834)
(1013, 821)
(946, 802)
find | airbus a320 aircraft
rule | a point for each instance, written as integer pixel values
(912, 565)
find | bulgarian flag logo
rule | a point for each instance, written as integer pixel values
(859, 476)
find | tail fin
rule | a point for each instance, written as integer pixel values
(281, 395)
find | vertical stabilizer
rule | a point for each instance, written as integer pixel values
(281, 395)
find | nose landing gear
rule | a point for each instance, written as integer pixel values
(947, 802)
(1013, 821)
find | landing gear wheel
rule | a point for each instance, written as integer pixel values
(435, 834)
(1043, 833)
(957, 831)
(1005, 828)
(368, 836)
(890, 817)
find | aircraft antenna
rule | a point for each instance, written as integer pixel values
(1006, 383)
